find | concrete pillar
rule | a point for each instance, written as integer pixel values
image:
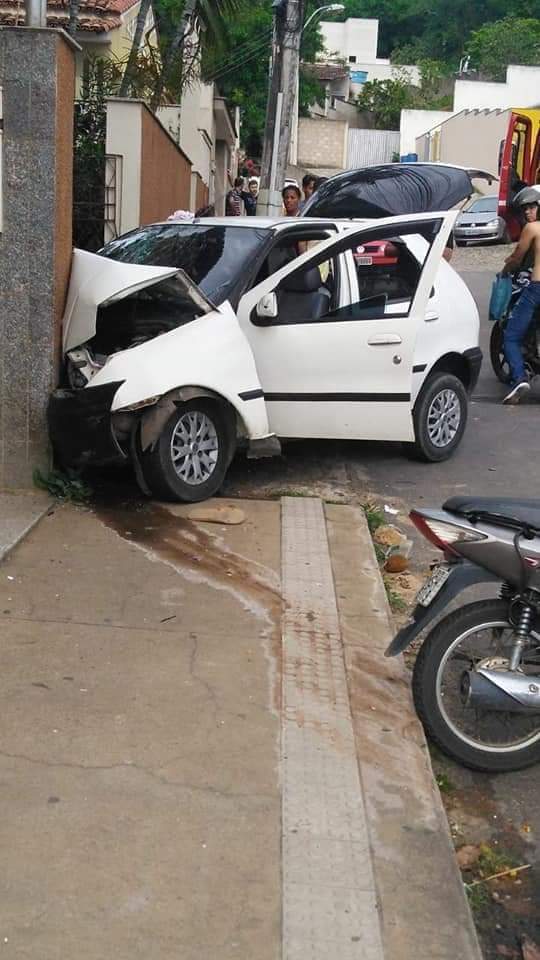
(37, 79)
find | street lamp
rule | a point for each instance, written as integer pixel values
(327, 8)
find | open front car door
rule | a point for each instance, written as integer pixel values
(334, 343)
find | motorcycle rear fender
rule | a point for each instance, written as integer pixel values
(463, 575)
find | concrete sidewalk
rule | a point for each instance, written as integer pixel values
(203, 753)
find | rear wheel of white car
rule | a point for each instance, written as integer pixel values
(440, 417)
(191, 457)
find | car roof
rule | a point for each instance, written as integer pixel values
(266, 223)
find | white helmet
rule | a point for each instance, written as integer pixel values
(527, 196)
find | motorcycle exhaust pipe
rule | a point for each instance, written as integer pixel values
(502, 690)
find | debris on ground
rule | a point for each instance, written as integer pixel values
(467, 856)
(387, 535)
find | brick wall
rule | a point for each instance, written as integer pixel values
(201, 193)
(322, 143)
(165, 172)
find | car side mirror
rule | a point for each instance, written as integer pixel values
(267, 307)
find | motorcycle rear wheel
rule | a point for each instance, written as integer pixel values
(496, 353)
(490, 741)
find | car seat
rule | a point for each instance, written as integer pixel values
(301, 297)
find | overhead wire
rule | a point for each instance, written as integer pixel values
(245, 51)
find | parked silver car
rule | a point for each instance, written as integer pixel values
(479, 222)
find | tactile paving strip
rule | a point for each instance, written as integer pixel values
(329, 902)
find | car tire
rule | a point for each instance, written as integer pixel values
(496, 354)
(506, 238)
(460, 243)
(198, 473)
(439, 418)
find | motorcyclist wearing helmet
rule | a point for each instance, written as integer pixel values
(528, 200)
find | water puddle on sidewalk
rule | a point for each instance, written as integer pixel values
(202, 558)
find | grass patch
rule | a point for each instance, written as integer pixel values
(374, 516)
(396, 601)
(444, 783)
(493, 861)
(478, 897)
(63, 486)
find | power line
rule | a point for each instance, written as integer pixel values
(239, 60)
(254, 43)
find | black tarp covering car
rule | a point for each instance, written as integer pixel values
(391, 189)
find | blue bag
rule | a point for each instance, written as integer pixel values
(501, 291)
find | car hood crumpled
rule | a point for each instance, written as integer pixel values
(393, 189)
(95, 281)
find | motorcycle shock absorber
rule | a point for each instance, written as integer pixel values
(506, 592)
(522, 636)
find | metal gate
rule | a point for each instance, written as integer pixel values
(96, 178)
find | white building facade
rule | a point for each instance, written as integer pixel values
(355, 42)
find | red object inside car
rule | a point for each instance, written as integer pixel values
(376, 253)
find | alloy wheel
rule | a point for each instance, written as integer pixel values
(194, 447)
(444, 417)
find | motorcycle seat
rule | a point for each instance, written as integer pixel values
(516, 513)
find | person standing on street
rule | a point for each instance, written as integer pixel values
(291, 200)
(249, 197)
(308, 188)
(520, 319)
(233, 200)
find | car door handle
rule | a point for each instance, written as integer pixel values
(431, 315)
(380, 339)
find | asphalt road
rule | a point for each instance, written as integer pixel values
(499, 455)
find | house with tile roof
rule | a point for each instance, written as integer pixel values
(105, 27)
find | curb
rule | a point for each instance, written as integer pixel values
(423, 908)
(30, 516)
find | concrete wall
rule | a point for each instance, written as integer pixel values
(124, 139)
(37, 77)
(165, 172)
(322, 143)
(191, 124)
(473, 138)
(414, 123)
(521, 89)
(221, 180)
(156, 174)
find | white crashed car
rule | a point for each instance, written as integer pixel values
(183, 340)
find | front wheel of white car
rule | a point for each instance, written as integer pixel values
(440, 418)
(191, 457)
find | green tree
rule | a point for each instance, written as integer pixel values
(212, 18)
(241, 68)
(432, 28)
(512, 40)
(385, 99)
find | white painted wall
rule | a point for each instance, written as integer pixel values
(384, 70)
(124, 139)
(521, 89)
(414, 123)
(354, 37)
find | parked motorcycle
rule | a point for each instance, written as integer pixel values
(476, 680)
(531, 344)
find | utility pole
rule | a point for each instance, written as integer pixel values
(288, 24)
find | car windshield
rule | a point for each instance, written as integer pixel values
(484, 205)
(214, 257)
